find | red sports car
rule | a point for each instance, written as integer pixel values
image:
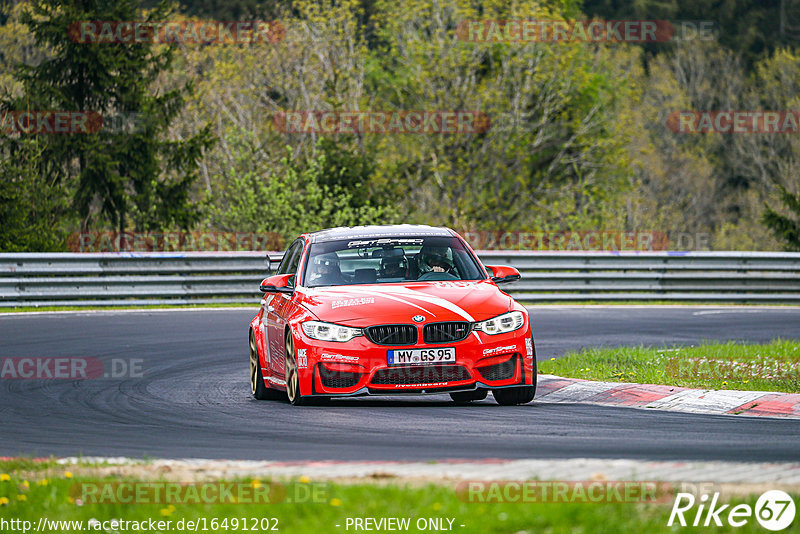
(382, 310)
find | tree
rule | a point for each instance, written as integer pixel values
(136, 175)
(319, 64)
(785, 227)
(16, 46)
(291, 197)
(554, 153)
(33, 212)
(228, 9)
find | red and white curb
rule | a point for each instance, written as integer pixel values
(575, 469)
(556, 389)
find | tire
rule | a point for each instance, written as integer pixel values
(257, 387)
(513, 396)
(517, 395)
(291, 375)
(465, 397)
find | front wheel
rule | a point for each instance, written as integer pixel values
(291, 375)
(513, 396)
(517, 395)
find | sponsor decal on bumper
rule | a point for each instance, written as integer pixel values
(326, 357)
(499, 350)
(423, 385)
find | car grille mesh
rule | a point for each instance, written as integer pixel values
(338, 379)
(446, 332)
(393, 334)
(499, 371)
(420, 375)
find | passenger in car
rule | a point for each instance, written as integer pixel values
(326, 271)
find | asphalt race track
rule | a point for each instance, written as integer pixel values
(193, 399)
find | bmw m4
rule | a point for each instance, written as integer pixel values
(387, 310)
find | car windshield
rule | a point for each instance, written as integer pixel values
(387, 260)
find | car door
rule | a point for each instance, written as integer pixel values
(278, 310)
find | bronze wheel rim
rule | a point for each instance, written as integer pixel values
(292, 381)
(253, 365)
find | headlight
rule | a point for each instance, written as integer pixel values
(508, 322)
(330, 331)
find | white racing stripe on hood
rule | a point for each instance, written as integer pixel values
(390, 297)
(439, 301)
(429, 299)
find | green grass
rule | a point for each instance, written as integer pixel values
(773, 366)
(55, 498)
(27, 464)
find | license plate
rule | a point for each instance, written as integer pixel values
(421, 356)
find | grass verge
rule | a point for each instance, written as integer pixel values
(314, 507)
(772, 366)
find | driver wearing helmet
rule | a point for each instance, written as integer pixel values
(434, 260)
(326, 271)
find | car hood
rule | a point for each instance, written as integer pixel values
(364, 305)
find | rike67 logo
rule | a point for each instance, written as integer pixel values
(774, 510)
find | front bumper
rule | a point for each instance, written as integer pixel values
(359, 367)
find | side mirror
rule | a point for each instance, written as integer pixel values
(279, 283)
(502, 274)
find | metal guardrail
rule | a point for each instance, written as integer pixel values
(91, 279)
(647, 276)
